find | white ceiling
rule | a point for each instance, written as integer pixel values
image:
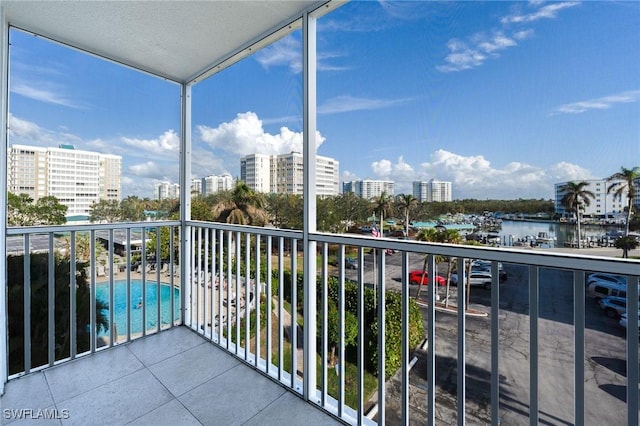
(178, 40)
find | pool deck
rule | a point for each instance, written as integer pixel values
(174, 377)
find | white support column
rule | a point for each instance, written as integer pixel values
(309, 220)
(185, 203)
(4, 116)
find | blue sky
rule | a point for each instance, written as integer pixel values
(502, 99)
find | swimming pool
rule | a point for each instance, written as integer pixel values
(135, 304)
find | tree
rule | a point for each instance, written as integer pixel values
(382, 206)
(132, 209)
(105, 211)
(450, 236)
(575, 198)
(244, 207)
(626, 243)
(22, 211)
(351, 208)
(406, 202)
(624, 185)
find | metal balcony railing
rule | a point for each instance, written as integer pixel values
(340, 338)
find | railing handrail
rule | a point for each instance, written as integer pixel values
(45, 229)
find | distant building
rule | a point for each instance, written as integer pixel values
(284, 173)
(196, 187)
(213, 184)
(432, 190)
(167, 190)
(369, 188)
(255, 171)
(75, 177)
(604, 205)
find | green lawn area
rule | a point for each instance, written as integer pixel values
(350, 382)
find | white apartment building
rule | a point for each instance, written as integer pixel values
(196, 187)
(213, 184)
(284, 174)
(167, 190)
(432, 190)
(604, 205)
(76, 178)
(369, 188)
(255, 171)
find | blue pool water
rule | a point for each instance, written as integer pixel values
(120, 304)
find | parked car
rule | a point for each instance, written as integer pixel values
(606, 278)
(477, 278)
(350, 263)
(600, 289)
(485, 265)
(613, 307)
(623, 320)
(415, 277)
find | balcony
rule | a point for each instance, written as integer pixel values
(529, 353)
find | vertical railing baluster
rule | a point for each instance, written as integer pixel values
(341, 328)
(229, 283)
(198, 278)
(633, 375)
(405, 335)
(495, 344)
(26, 282)
(533, 345)
(294, 312)
(361, 331)
(221, 286)
(171, 272)
(269, 309)
(382, 341)
(128, 303)
(237, 287)
(114, 327)
(214, 280)
(325, 322)
(431, 337)
(280, 306)
(51, 304)
(461, 373)
(579, 351)
(72, 297)
(247, 277)
(93, 329)
(158, 284)
(143, 281)
(256, 299)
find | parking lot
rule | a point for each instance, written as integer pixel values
(605, 354)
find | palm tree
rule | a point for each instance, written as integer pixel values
(243, 207)
(624, 185)
(406, 202)
(382, 205)
(575, 197)
(450, 236)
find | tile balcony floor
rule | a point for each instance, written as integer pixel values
(171, 378)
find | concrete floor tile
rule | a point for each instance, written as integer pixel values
(158, 347)
(291, 410)
(171, 414)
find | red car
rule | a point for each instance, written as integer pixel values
(416, 276)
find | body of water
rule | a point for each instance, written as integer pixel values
(135, 304)
(514, 231)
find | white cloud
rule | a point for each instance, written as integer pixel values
(548, 11)
(245, 135)
(167, 143)
(476, 177)
(46, 92)
(29, 133)
(346, 103)
(478, 48)
(604, 102)
(288, 53)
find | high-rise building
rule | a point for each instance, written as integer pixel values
(167, 190)
(605, 205)
(284, 173)
(255, 171)
(213, 184)
(75, 177)
(369, 188)
(432, 190)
